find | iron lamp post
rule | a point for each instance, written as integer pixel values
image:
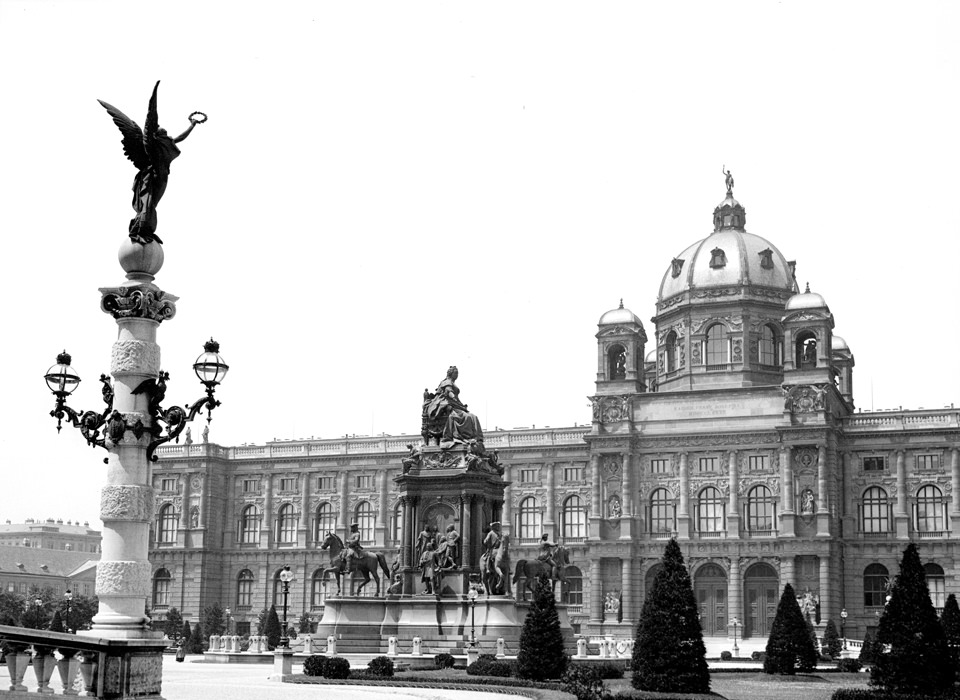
(843, 627)
(68, 596)
(472, 595)
(227, 613)
(736, 623)
(286, 576)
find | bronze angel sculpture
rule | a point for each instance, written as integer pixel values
(151, 151)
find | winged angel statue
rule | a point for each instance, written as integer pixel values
(151, 151)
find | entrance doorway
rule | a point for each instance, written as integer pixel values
(710, 590)
(761, 587)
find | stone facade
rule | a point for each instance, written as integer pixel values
(736, 433)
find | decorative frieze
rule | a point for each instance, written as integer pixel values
(124, 502)
(135, 357)
(127, 578)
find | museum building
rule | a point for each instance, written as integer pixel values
(732, 428)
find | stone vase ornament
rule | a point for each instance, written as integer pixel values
(88, 670)
(44, 663)
(68, 667)
(17, 663)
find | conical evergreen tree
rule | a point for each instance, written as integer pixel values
(918, 660)
(195, 645)
(185, 635)
(832, 646)
(668, 653)
(789, 644)
(56, 624)
(950, 621)
(272, 629)
(541, 654)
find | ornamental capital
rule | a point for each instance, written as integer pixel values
(138, 301)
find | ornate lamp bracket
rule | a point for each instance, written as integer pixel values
(176, 418)
(89, 422)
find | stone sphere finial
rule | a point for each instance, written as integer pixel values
(138, 259)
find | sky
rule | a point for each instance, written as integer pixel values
(384, 189)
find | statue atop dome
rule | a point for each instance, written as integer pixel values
(729, 179)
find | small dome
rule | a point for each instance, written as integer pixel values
(807, 300)
(651, 356)
(839, 343)
(619, 315)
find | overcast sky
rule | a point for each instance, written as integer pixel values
(385, 189)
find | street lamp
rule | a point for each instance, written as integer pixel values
(843, 627)
(68, 596)
(227, 613)
(286, 576)
(735, 622)
(472, 595)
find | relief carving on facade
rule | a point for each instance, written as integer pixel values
(129, 502)
(804, 398)
(130, 578)
(614, 409)
(695, 357)
(611, 465)
(754, 351)
(196, 483)
(683, 354)
(135, 356)
(805, 460)
(738, 350)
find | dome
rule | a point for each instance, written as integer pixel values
(807, 300)
(729, 257)
(839, 343)
(619, 315)
(651, 356)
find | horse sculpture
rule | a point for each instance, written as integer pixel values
(532, 569)
(492, 570)
(365, 564)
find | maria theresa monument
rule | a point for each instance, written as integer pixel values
(731, 427)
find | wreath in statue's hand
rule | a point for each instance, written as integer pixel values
(193, 119)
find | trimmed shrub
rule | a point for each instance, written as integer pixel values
(669, 655)
(336, 667)
(609, 671)
(725, 656)
(542, 655)
(832, 644)
(272, 629)
(849, 665)
(315, 665)
(381, 666)
(444, 660)
(790, 645)
(490, 667)
(583, 682)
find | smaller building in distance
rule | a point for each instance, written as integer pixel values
(51, 534)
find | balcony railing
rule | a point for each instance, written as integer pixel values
(718, 535)
(930, 534)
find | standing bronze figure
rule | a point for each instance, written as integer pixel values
(151, 151)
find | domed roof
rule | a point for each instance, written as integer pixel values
(651, 356)
(839, 343)
(728, 257)
(807, 300)
(619, 315)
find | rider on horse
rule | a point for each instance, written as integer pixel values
(546, 555)
(353, 549)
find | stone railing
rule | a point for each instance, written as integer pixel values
(393, 444)
(902, 420)
(110, 668)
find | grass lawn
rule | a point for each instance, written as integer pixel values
(752, 685)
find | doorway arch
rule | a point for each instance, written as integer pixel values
(761, 588)
(710, 590)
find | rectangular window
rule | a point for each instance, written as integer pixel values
(168, 485)
(364, 481)
(325, 483)
(874, 464)
(251, 485)
(573, 473)
(659, 466)
(528, 476)
(245, 592)
(707, 464)
(288, 483)
(756, 463)
(928, 461)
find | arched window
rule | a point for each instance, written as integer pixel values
(396, 524)
(770, 345)
(286, 524)
(572, 592)
(672, 363)
(250, 525)
(161, 588)
(528, 519)
(326, 521)
(928, 511)
(574, 518)
(710, 507)
(364, 518)
(662, 512)
(617, 362)
(318, 589)
(875, 511)
(806, 350)
(167, 525)
(761, 510)
(245, 589)
(936, 583)
(875, 578)
(718, 346)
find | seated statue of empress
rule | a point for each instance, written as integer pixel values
(446, 418)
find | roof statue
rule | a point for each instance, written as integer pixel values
(151, 151)
(729, 179)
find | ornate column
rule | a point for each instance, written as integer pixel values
(344, 504)
(550, 519)
(304, 534)
(788, 572)
(126, 502)
(849, 502)
(468, 559)
(824, 506)
(900, 515)
(787, 515)
(266, 528)
(596, 512)
(733, 504)
(683, 516)
(184, 510)
(627, 590)
(735, 594)
(405, 532)
(383, 517)
(627, 481)
(955, 490)
(506, 527)
(826, 589)
(596, 594)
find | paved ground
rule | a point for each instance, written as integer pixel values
(199, 681)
